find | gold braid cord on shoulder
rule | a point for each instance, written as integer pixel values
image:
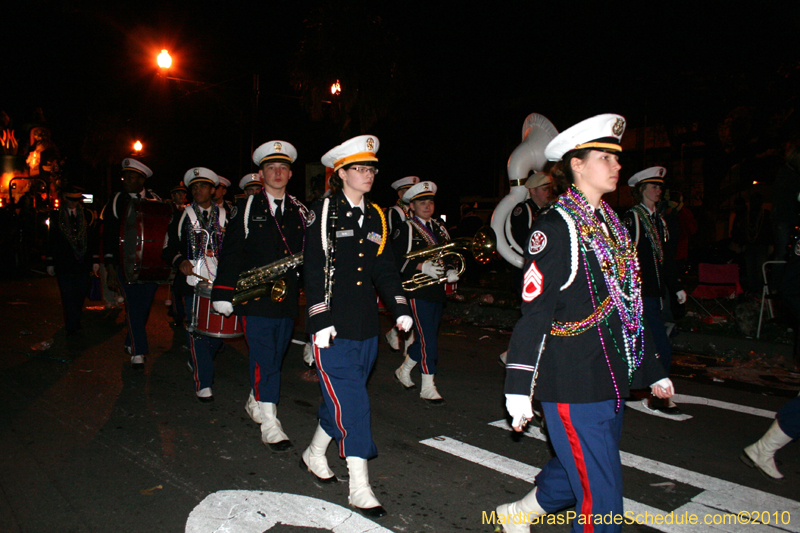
(383, 228)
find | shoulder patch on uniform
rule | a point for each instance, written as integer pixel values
(517, 211)
(311, 218)
(537, 243)
(532, 283)
(234, 210)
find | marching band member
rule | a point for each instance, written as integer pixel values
(220, 192)
(349, 236)
(72, 254)
(395, 216)
(420, 231)
(251, 183)
(580, 345)
(178, 195)
(398, 213)
(176, 310)
(193, 242)
(138, 296)
(648, 230)
(540, 196)
(266, 227)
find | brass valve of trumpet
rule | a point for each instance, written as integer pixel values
(482, 247)
(267, 279)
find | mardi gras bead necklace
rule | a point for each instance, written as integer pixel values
(76, 237)
(617, 258)
(652, 232)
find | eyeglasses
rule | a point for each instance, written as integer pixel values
(364, 170)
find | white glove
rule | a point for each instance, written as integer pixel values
(433, 270)
(681, 297)
(663, 388)
(95, 267)
(223, 308)
(323, 338)
(51, 271)
(519, 407)
(404, 323)
(452, 275)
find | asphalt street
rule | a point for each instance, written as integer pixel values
(88, 444)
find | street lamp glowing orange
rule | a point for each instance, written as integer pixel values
(137, 146)
(336, 88)
(164, 60)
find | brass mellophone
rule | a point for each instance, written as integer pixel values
(259, 281)
(482, 247)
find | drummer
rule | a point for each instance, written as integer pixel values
(192, 246)
(268, 226)
(251, 184)
(138, 296)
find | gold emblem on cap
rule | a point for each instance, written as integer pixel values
(126, 163)
(370, 144)
(661, 172)
(277, 147)
(619, 127)
(425, 186)
(196, 172)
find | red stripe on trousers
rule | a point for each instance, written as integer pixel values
(423, 360)
(337, 415)
(580, 463)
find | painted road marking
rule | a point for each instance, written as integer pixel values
(718, 497)
(699, 400)
(246, 511)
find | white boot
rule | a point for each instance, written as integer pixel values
(393, 339)
(429, 392)
(517, 517)
(761, 454)
(314, 460)
(272, 433)
(403, 374)
(253, 409)
(308, 355)
(361, 495)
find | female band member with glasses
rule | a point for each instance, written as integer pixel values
(348, 256)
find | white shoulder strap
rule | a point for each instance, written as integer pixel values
(246, 215)
(573, 246)
(222, 219)
(188, 212)
(114, 205)
(408, 244)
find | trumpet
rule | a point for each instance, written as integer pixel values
(257, 282)
(482, 247)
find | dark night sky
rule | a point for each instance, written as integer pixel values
(464, 79)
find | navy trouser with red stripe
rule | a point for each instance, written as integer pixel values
(586, 471)
(425, 349)
(345, 414)
(202, 350)
(789, 418)
(138, 301)
(267, 340)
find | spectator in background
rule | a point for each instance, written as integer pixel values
(470, 223)
(758, 230)
(785, 194)
(72, 254)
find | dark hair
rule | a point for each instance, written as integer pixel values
(335, 182)
(562, 170)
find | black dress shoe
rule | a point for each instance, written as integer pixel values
(667, 410)
(281, 446)
(439, 401)
(326, 481)
(205, 399)
(372, 512)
